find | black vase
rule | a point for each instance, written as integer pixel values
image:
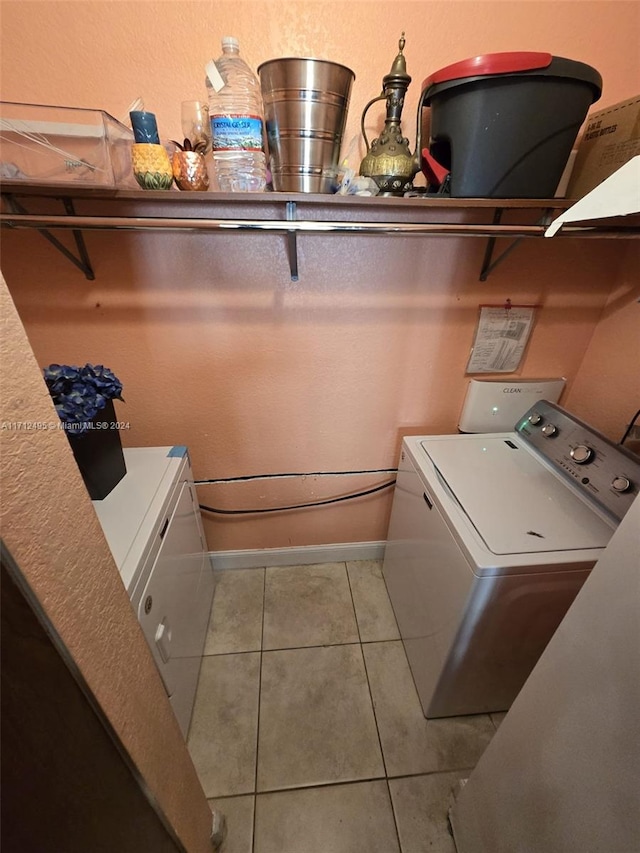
(98, 454)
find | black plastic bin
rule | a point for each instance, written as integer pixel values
(503, 124)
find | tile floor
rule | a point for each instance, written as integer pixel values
(307, 730)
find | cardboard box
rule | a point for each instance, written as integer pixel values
(44, 144)
(611, 138)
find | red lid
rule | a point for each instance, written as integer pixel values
(490, 63)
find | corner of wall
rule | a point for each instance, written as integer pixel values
(50, 528)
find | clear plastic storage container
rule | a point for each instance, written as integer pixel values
(48, 144)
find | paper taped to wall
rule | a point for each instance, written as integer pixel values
(500, 340)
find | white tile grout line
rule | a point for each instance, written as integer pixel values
(386, 589)
(255, 782)
(299, 648)
(234, 652)
(255, 793)
(338, 783)
(373, 708)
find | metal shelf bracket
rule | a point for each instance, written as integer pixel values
(488, 265)
(83, 262)
(290, 223)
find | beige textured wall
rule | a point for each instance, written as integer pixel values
(48, 523)
(216, 348)
(606, 392)
(104, 53)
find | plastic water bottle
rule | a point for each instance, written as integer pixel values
(237, 116)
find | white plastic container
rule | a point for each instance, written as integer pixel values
(237, 117)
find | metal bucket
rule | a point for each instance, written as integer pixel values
(305, 107)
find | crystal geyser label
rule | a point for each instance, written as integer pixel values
(236, 133)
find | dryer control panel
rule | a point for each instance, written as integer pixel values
(598, 468)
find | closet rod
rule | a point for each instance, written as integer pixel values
(133, 223)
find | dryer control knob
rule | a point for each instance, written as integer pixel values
(581, 454)
(549, 429)
(621, 484)
(534, 418)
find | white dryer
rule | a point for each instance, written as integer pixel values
(152, 523)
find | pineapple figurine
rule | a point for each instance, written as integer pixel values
(189, 167)
(151, 166)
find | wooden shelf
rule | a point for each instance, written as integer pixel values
(173, 196)
(291, 214)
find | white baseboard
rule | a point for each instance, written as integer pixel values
(303, 556)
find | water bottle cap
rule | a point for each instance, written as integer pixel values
(230, 41)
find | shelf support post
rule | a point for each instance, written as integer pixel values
(292, 241)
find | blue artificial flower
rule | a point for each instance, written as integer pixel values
(60, 372)
(104, 380)
(80, 393)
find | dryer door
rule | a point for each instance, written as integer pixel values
(172, 615)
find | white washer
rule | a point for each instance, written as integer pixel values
(153, 525)
(490, 539)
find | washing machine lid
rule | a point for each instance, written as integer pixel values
(517, 505)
